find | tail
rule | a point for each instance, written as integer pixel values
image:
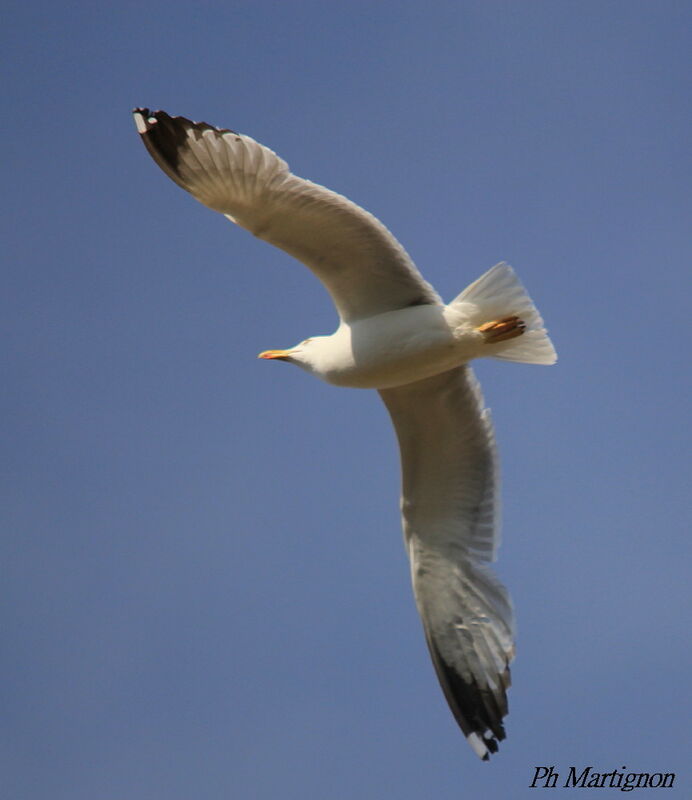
(498, 295)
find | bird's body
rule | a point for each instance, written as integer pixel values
(390, 349)
(395, 335)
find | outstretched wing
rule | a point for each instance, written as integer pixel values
(364, 268)
(450, 511)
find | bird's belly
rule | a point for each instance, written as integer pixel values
(392, 355)
(393, 373)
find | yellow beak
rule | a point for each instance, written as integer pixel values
(274, 354)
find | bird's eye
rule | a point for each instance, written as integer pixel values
(306, 341)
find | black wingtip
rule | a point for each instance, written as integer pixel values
(164, 137)
(145, 119)
(477, 711)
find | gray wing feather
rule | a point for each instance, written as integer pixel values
(362, 265)
(450, 511)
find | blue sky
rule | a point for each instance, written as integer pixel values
(205, 589)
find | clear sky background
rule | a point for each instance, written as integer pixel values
(205, 589)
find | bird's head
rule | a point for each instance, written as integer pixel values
(305, 355)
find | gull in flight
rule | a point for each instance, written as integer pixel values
(397, 336)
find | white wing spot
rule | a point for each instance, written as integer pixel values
(141, 123)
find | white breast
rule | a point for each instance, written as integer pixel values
(397, 347)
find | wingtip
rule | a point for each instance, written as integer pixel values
(483, 744)
(478, 712)
(478, 746)
(143, 119)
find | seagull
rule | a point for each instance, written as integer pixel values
(397, 336)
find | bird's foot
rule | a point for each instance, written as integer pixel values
(500, 330)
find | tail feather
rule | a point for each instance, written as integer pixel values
(499, 294)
